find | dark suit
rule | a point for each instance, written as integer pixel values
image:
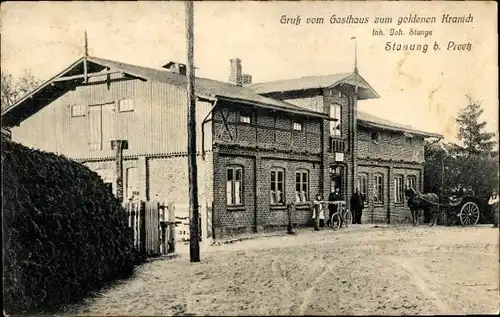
(357, 204)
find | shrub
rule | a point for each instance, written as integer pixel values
(64, 232)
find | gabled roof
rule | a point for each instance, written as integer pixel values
(209, 87)
(370, 121)
(365, 91)
(204, 87)
(212, 89)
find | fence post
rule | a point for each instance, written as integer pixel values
(289, 211)
(142, 228)
(171, 236)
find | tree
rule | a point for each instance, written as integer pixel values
(14, 90)
(11, 91)
(471, 130)
(473, 163)
(440, 166)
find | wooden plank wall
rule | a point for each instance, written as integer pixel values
(156, 125)
(148, 236)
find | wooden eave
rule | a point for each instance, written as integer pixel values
(272, 107)
(380, 126)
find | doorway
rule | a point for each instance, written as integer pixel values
(337, 179)
(101, 126)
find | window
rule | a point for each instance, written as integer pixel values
(245, 118)
(374, 136)
(409, 140)
(297, 126)
(77, 111)
(363, 185)
(411, 182)
(378, 188)
(277, 186)
(336, 122)
(398, 189)
(302, 186)
(125, 105)
(234, 186)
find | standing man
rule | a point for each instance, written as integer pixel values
(357, 206)
(493, 202)
(334, 196)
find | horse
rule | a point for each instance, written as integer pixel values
(427, 202)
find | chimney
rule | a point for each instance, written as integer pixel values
(175, 67)
(246, 79)
(235, 75)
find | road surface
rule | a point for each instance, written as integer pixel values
(360, 270)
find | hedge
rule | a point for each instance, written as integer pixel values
(64, 232)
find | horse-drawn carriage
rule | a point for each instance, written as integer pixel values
(457, 208)
(463, 209)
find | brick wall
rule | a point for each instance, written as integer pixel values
(322, 100)
(229, 221)
(107, 170)
(391, 146)
(267, 130)
(388, 211)
(257, 212)
(400, 212)
(314, 102)
(393, 155)
(168, 180)
(268, 141)
(341, 96)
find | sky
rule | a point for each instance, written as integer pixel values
(424, 90)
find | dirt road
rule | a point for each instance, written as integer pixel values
(359, 270)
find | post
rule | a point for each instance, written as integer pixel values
(289, 210)
(171, 228)
(119, 146)
(194, 236)
(85, 59)
(353, 116)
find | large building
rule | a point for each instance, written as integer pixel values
(260, 146)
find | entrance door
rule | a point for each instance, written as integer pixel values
(337, 175)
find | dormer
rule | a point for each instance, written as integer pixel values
(175, 67)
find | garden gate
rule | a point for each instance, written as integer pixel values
(152, 226)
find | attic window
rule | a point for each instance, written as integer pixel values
(245, 118)
(125, 105)
(375, 136)
(297, 126)
(77, 110)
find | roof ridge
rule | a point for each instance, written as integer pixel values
(155, 69)
(302, 77)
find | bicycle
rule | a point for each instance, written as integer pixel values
(343, 216)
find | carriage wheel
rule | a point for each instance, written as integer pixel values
(347, 218)
(469, 214)
(335, 221)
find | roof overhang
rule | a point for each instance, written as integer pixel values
(408, 131)
(353, 79)
(271, 107)
(365, 91)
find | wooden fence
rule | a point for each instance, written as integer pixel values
(152, 226)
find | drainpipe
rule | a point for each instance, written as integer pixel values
(203, 128)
